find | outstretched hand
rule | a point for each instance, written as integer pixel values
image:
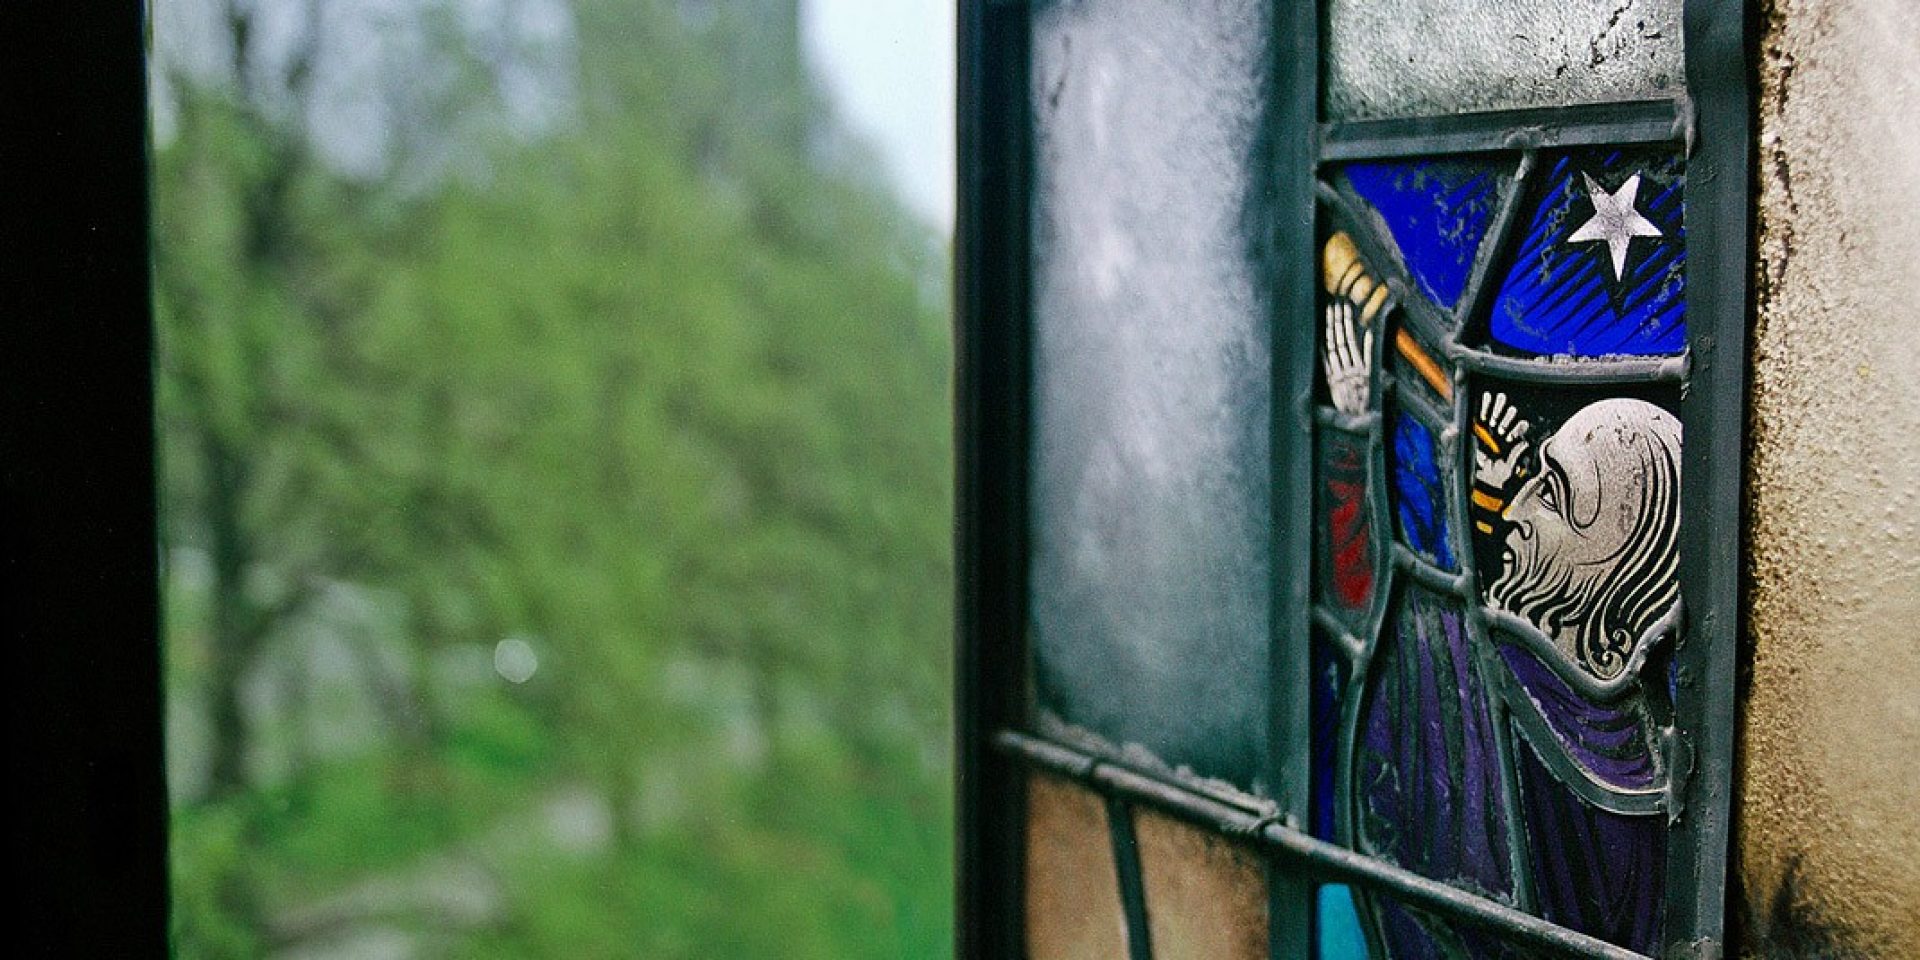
(1349, 358)
(1501, 441)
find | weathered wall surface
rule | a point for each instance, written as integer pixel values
(1830, 810)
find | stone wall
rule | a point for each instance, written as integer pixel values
(1829, 810)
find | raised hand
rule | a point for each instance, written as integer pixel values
(1348, 358)
(1500, 434)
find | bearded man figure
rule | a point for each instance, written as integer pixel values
(1591, 552)
(1589, 555)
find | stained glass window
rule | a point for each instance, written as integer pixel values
(1354, 392)
(1506, 685)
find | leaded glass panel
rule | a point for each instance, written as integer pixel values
(1346, 366)
(1347, 549)
(1494, 731)
(1436, 211)
(1598, 266)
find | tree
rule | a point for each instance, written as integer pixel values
(660, 389)
(263, 395)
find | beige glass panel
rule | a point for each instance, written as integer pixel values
(1206, 898)
(1073, 890)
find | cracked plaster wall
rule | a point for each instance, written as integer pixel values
(1829, 829)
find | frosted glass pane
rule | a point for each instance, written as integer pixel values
(1403, 58)
(1149, 484)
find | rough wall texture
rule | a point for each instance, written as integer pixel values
(1830, 810)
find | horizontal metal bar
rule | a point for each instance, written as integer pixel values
(1649, 121)
(1048, 726)
(1315, 857)
(1599, 370)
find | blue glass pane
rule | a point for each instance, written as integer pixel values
(1329, 682)
(1437, 211)
(1419, 494)
(1599, 267)
(1337, 931)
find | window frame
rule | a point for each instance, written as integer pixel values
(996, 745)
(88, 841)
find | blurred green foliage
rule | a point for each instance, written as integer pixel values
(662, 391)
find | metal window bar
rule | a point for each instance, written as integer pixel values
(1293, 116)
(991, 357)
(1311, 858)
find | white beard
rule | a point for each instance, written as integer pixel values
(1597, 577)
(1544, 588)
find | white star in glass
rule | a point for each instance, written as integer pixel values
(1615, 222)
